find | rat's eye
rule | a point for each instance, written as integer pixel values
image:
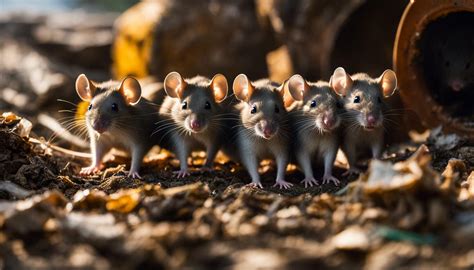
(114, 107)
(254, 109)
(313, 104)
(277, 110)
(90, 107)
(184, 105)
(357, 99)
(379, 100)
(207, 106)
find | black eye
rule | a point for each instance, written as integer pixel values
(313, 104)
(207, 106)
(277, 110)
(446, 63)
(254, 109)
(90, 107)
(114, 107)
(379, 100)
(184, 105)
(357, 99)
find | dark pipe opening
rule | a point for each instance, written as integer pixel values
(446, 62)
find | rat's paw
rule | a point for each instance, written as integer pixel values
(283, 184)
(181, 173)
(309, 182)
(329, 178)
(133, 174)
(255, 185)
(90, 170)
(352, 171)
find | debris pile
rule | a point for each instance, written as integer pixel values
(401, 214)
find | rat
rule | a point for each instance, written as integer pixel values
(364, 105)
(117, 117)
(449, 62)
(193, 117)
(315, 114)
(260, 127)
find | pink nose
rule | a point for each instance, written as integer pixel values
(457, 85)
(329, 121)
(195, 125)
(371, 120)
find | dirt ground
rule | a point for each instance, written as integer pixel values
(413, 210)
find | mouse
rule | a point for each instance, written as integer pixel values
(192, 117)
(449, 62)
(314, 109)
(117, 117)
(261, 128)
(363, 100)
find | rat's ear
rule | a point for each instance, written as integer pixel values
(219, 87)
(388, 82)
(243, 88)
(84, 87)
(174, 85)
(340, 81)
(130, 90)
(297, 87)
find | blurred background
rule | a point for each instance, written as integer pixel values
(46, 44)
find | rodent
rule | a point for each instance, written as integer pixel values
(192, 117)
(261, 128)
(363, 102)
(449, 65)
(117, 117)
(315, 116)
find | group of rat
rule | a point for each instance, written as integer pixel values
(298, 121)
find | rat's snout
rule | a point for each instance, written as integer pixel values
(329, 121)
(268, 128)
(371, 120)
(456, 85)
(196, 124)
(100, 125)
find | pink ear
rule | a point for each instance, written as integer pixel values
(243, 88)
(219, 87)
(297, 86)
(131, 90)
(174, 85)
(84, 87)
(388, 82)
(340, 81)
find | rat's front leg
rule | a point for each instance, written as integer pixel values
(211, 153)
(282, 163)
(329, 159)
(351, 155)
(376, 148)
(138, 153)
(304, 160)
(250, 162)
(182, 151)
(98, 151)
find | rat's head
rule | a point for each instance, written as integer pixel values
(319, 103)
(108, 104)
(363, 97)
(453, 57)
(197, 100)
(262, 109)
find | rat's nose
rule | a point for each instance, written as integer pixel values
(268, 129)
(329, 121)
(457, 85)
(195, 125)
(371, 120)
